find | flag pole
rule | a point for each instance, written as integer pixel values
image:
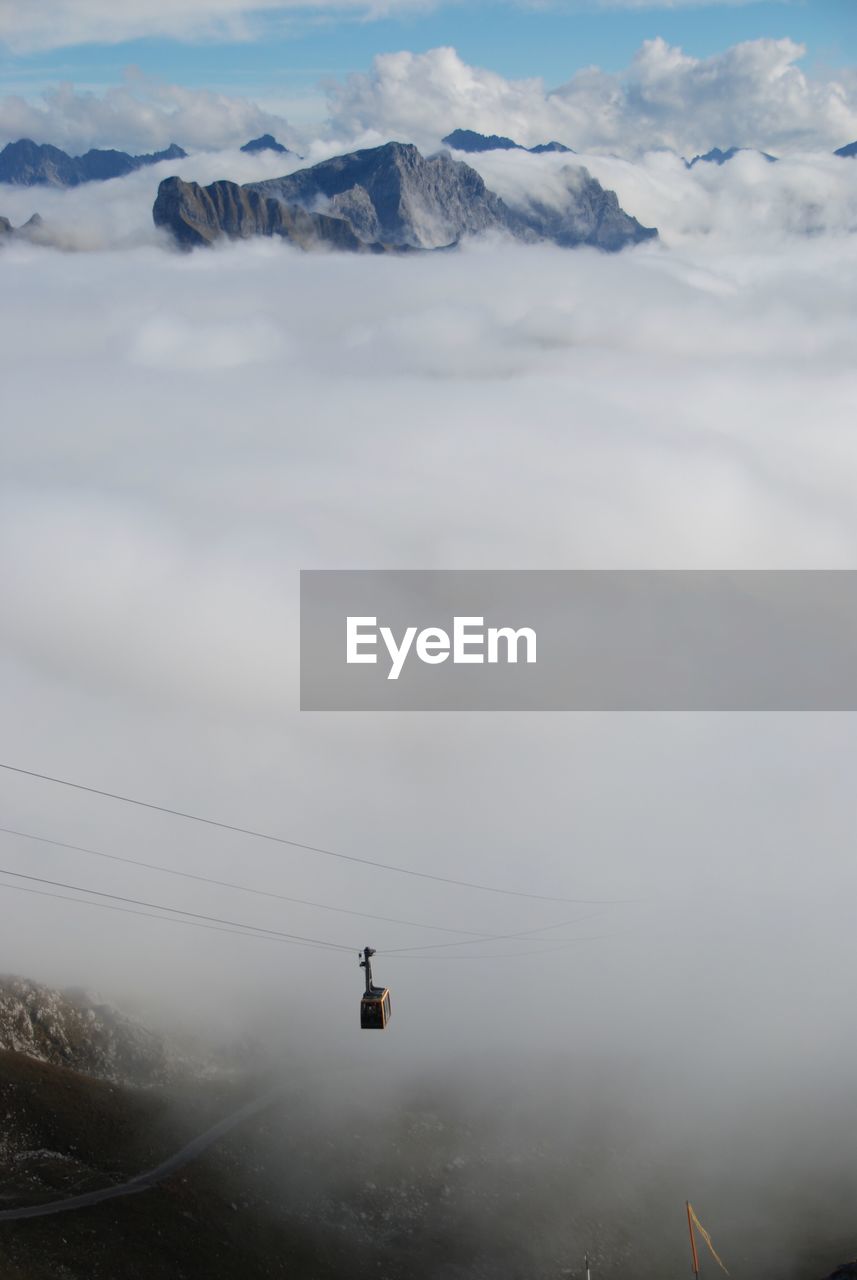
(693, 1254)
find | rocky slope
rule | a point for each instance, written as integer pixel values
(395, 195)
(71, 1029)
(391, 197)
(26, 163)
(427, 1180)
(196, 215)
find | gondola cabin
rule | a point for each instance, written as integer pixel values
(375, 1003)
(375, 1011)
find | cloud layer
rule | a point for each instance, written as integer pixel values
(141, 114)
(753, 94)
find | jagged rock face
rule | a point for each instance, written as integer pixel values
(591, 215)
(394, 194)
(470, 141)
(716, 156)
(267, 142)
(27, 164)
(390, 197)
(847, 153)
(69, 1029)
(198, 215)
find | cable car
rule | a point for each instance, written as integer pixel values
(375, 1002)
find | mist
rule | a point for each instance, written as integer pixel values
(184, 433)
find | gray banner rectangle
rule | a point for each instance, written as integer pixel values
(617, 640)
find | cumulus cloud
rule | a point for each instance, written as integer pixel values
(752, 94)
(141, 114)
(745, 201)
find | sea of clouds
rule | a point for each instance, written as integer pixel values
(184, 432)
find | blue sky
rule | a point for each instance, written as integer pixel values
(550, 41)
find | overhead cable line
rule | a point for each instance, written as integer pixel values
(253, 931)
(297, 844)
(506, 955)
(194, 915)
(241, 888)
(527, 935)
(472, 939)
(148, 915)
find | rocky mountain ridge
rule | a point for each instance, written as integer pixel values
(28, 164)
(196, 215)
(716, 156)
(468, 140)
(390, 198)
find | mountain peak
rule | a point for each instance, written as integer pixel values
(266, 142)
(716, 156)
(390, 197)
(29, 164)
(468, 140)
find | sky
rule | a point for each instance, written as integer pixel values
(281, 55)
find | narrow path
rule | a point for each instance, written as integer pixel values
(143, 1181)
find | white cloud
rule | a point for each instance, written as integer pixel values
(54, 23)
(752, 94)
(747, 201)
(141, 114)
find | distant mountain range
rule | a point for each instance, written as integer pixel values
(379, 200)
(28, 164)
(389, 198)
(468, 140)
(716, 156)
